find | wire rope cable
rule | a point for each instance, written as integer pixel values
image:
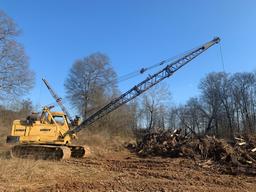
(221, 58)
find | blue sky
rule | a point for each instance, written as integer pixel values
(134, 34)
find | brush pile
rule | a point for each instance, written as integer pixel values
(233, 157)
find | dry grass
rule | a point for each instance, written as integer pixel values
(18, 174)
(31, 175)
(102, 144)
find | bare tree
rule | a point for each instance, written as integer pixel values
(217, 96)
(244, 89)
(16, 78)
(90, 83)
(153, 106)
(172, 118)
(26, 107)
(226, 106)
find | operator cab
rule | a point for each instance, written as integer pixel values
(48, 117)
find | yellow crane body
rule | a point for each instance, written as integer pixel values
(44, 138)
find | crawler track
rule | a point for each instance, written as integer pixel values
(49, 152)
(44, 152)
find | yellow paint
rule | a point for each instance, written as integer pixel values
(46, 130)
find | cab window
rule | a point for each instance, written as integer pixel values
(59, 120)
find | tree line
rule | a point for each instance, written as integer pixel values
(225, 106)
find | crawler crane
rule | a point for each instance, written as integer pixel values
(50, 135)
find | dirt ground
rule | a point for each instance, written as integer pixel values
(112, 167)
(117, 171)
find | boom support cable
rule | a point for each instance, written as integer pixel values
(143, 86)
(144, 69)
(221, 58)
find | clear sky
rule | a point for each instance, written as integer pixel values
(134, 34)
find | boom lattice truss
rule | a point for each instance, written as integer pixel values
(149, 82)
